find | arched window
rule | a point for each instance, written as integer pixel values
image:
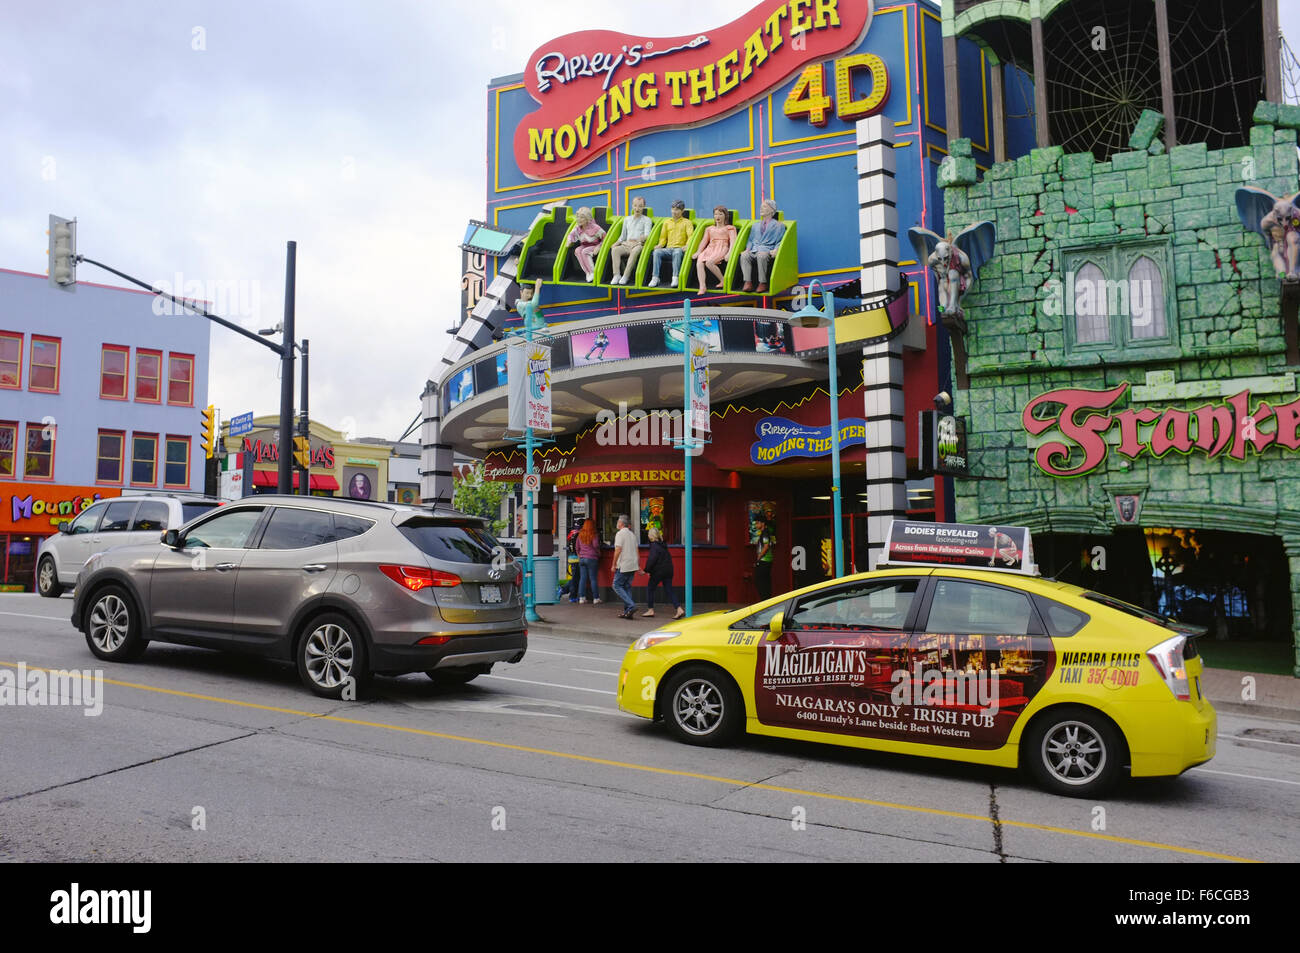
(1146, 296)
(1091, 319)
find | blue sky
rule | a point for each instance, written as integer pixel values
(195, 137)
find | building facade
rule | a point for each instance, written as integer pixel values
(99, 396)
(357, 469)
(1132, 353)
(834, 113)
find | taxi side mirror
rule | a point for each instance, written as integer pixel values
(776, 627)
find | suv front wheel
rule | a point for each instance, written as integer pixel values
(332, 658)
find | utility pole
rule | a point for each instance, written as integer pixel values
(286, 373)
(304, 427)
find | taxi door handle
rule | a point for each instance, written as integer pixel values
(315, 567)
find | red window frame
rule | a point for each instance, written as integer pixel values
(153, 463)
(167, 461)
(12, 452)
(28, 453)
(172, 360)
(18, 364)
(125, 374)
(99, 455)
(32, 365)
(144, 379)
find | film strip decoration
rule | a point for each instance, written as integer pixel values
(882, 356)
(475, 332)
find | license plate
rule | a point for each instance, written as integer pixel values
(489, 593)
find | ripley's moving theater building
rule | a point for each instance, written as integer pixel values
(833, 110)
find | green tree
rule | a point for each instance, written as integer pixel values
(479, 497)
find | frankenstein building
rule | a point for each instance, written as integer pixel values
(1131, 348)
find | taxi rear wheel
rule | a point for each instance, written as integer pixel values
(702, 706)
(1075, 752)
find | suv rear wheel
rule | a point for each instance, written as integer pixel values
(332, 657)
(47, 579)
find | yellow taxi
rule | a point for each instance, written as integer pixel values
(957, 650)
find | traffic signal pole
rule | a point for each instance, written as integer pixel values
(286, 373)
(304, 428)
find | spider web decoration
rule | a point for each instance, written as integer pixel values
(1290, 73)
(1216, 50)
(1095, 96)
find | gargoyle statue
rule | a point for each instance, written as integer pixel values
(1277, 221)
(956, 262)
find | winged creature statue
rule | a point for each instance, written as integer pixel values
(956, 262)
(1277, 221)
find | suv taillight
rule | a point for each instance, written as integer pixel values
(519, 577)
(1167, 657)
(416, 578)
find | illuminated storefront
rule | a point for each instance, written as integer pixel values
(339, 466)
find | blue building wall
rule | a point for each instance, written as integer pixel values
(760, 153)
(84, 321)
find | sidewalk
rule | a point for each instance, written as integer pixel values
(1276, 696)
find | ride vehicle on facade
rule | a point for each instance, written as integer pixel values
(345, 589)
(990, 665)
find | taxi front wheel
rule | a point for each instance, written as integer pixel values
(703, 707)
(1075, 752)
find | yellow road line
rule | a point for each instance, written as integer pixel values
(672, 772)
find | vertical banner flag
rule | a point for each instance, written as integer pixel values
(528, 369)
(699, 351)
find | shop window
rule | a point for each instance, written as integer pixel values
(144, 459)
(177, 472)
(613, 505)
(1118, 302)
(38, 462)
(113, 363)
(44, 371)
(11, 360)
(108, 456)
(8, 448)
(148, 374)
(702, 528)
(180, 380)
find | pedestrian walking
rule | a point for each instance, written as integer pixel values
(626, 564)
(588, 563)
(765, 543)
(659, 567)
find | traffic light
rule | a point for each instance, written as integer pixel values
(63, 253)
(209, 416)
(302, 452)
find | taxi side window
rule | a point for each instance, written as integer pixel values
(971, 608)
(762, 618)
(879, 604)
(1062, 621)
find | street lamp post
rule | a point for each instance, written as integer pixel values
(824, 317)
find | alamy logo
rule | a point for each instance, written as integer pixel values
(76, 906)
(38, 686)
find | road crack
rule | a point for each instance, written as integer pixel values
(125, 767)
(997, 824)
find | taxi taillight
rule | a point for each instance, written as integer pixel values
(1168, 659)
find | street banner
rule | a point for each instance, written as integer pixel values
(528, 369)
(1006, 548)
(699, 348)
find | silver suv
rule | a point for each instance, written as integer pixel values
(343, 588)
(120, 521)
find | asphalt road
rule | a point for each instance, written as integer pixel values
(534, 763)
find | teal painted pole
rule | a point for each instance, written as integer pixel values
(688, 508)
(530, 579)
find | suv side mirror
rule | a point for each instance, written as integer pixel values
(776, 627)
(171, 538)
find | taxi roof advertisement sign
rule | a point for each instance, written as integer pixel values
(599, 88)
(1003, 548)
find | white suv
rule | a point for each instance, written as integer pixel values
(119, 521)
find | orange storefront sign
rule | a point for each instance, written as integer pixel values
(41, 507)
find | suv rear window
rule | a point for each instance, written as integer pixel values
(191, 510)
(456, 542)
